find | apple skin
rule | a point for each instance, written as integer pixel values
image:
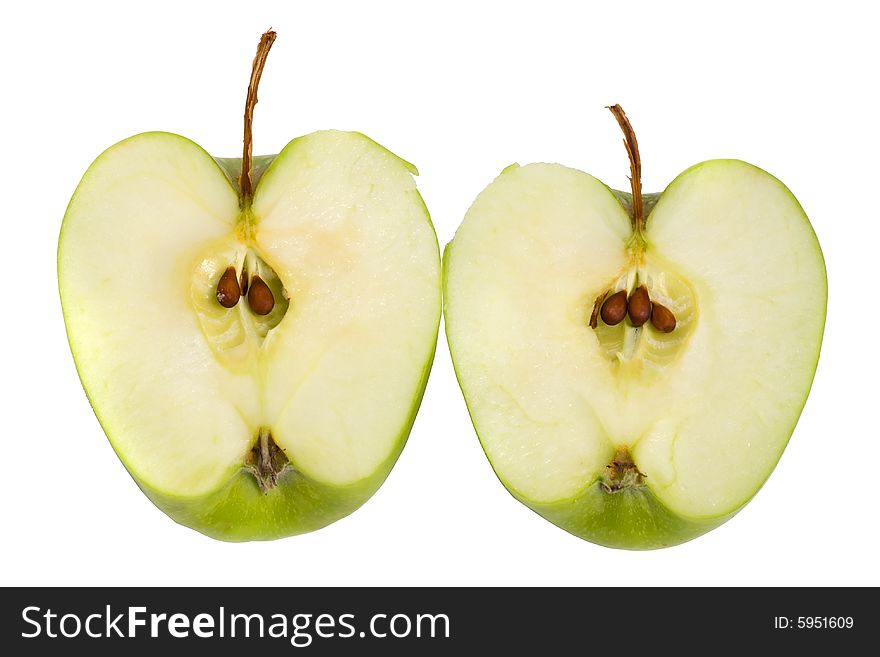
(633, 518)
(239, 511)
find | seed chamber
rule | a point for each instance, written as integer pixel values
(237, 334)
(629, 347)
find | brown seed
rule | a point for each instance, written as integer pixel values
(662, 319)
(228, 291)
(639, 306)
(260, 297)
(614, 308)
(244, 282)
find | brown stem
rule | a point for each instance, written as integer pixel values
(244, 182)
(635, 166)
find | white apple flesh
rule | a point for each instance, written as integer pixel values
(633, 437)
(242, 424)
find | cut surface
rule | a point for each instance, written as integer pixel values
(743, 242)
(184, 387)
(534, 251)
(131, 237)
(705, 410)
(342, 224)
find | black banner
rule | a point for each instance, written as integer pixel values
(419, 621)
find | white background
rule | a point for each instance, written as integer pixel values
(461, 90)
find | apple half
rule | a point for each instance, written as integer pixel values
(256, 358)
(634, 366)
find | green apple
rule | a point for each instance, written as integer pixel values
(254, 338)
(634, 366)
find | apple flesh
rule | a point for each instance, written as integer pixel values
(243, 424)
(625, 435)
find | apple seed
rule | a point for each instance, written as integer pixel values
(228, 290)
(614, 308)
(260, 297)
(662, 318)
(639, 306)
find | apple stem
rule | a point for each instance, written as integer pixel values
(244, 182)
(635, 166)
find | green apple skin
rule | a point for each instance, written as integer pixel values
(239, 511)
(633, 518)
